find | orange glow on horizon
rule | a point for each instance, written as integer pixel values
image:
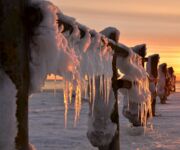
(53, 77)
(159, 29)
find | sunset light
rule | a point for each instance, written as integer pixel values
(156, 23)
(89, 74)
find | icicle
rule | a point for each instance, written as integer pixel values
(94, 87)
(104, 89)
(66, 103)
(77, 104)
(90, 90)
(141, 113)
(101, 85)
(70, 91)
(145, 116)
(85, 86)
(108, 88)
(93, 93)
(138, 111)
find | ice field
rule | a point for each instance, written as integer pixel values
(47, 132)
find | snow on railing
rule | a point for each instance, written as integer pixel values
(66, 48)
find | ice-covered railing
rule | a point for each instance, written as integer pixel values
(162, 86)
(152, 70)
(109, 32)
(172, 79)
(67, 48)
(62, 46)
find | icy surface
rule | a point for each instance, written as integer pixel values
(163, 135)
(47, 130)
(8, 124)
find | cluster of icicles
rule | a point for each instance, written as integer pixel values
(79, 61)
(137, 99)
(85, 90)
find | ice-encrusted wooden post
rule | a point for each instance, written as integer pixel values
(113, 34)
(162, 83)
(14, 45)
(152, 70)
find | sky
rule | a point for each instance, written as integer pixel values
(154, 22)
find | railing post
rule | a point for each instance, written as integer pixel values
(14, 46)
(115, 144)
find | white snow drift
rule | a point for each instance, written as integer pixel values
(8, 125)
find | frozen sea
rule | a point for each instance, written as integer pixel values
(47, 131)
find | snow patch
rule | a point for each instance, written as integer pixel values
(8, 123)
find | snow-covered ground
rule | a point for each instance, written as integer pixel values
(47, 130)
(163, 135)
